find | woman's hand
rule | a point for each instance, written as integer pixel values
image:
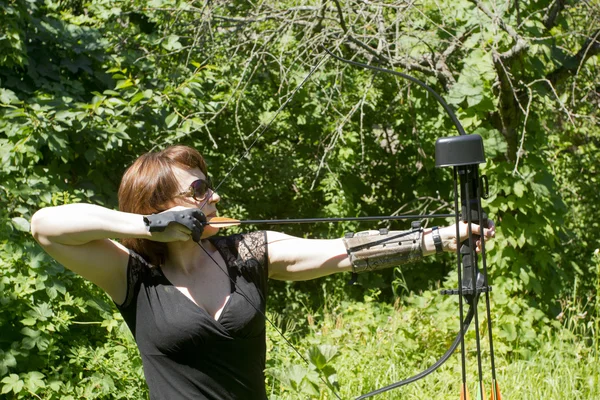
(448, 235)
(176, 224)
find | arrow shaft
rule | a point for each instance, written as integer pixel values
(341, 219)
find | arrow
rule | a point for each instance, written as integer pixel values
(224, 222)
(481, 392)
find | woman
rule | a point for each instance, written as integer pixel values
(196, 309)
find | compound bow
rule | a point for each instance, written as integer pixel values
(464, 153)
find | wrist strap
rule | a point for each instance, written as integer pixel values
(437, 240)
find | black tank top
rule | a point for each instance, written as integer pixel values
(186, 353)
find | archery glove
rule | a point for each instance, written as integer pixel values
(191, 218)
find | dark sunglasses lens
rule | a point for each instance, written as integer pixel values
(201, 188)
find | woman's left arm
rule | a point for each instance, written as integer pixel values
(297, 259)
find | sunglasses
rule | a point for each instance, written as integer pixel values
(199, 189)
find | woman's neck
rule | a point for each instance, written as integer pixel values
(185, 257)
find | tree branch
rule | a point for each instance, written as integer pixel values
(520, 43)
(552, 13)
(590, 48)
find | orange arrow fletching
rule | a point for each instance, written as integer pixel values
(496, 395)
(464, 393)
(223, 222)
(481, 393)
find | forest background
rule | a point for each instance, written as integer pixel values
(87, 86)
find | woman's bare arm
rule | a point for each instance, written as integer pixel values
(297, 259)
(78, 236)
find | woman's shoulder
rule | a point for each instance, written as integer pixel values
(139, 270)
(243, 245)
(138, 261)
(139, 266)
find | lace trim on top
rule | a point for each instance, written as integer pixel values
(136, 268)
(244, 250)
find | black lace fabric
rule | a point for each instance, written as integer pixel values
(247, 250)
(136, 268)
(246, 256)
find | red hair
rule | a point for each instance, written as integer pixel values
(148, 185)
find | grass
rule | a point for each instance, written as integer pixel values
(379, 344)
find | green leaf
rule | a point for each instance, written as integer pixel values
(21, 224)
(90, 155)
(319, 356)
(295, 376)
(521, 240)
(8, 96)
(122, 84)
(34, 381)
(28, 321)
(138, 97)
(524, 276)
(12, 383)
(171, 119)
(519, 188)
(54, 385)
(508, 331)
(172, 43)
(7, 360)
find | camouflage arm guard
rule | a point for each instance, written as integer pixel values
(373, 250)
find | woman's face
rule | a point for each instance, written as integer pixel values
(208, 205)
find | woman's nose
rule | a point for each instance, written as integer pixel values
(214, 196)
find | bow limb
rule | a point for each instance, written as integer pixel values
(435, 94)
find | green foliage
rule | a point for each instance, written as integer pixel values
(85, 87)
(383, 344)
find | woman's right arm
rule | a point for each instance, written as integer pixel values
(78, 236)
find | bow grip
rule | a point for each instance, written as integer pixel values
(471, 192)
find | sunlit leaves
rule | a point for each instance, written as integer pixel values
(21, 224)
(171, 120)
(12, 383)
